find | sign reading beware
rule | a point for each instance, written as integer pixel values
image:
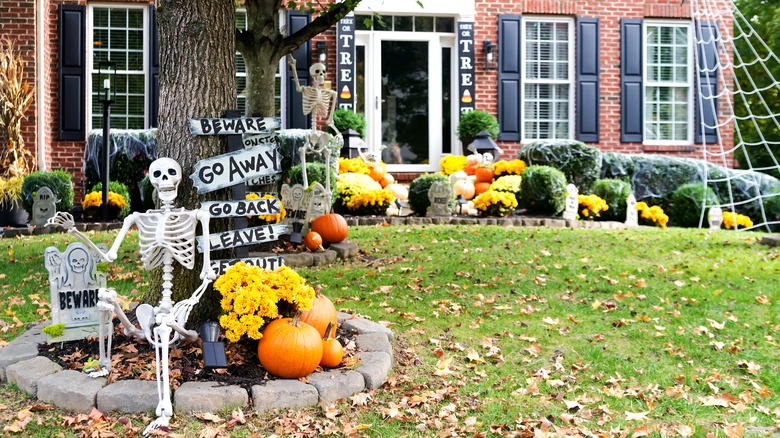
(240, 125)
(244, 236)
(235, 167)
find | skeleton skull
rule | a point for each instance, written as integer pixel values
(165, 176)
(317, 73)
(77, 259)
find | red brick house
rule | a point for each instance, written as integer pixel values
(616, 74)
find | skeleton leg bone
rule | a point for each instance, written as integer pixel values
(105, 334)
(164, 409)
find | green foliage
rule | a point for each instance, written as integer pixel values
(474, 121)
(580, 163)
(656, 177)
(147, 194)
(345, 119)
(615, 165)
(772, 211)
(418, 191)
(59, 183)
(54, 330)
(120, 189)
(315, 172)
(615, 192)
(689, 201)
(543, 190)
(10, 191)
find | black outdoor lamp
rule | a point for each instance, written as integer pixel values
(106, 77)
(484, 144)
(213, 350)
(462, 202)
(322, 52)
(400, 205)
(490, 56)
(296, 238)
(353, 144)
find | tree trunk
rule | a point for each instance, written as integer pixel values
(197, 79)
(261, 83)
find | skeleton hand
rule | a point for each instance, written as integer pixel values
(207, 272)
(62, 219)
(291, 61)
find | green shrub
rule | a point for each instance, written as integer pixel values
(120, 189)
(418, 191)
(148, 201)
(656, 177)
(474, 121)
(315, 172)
(615, 192)
(772, 211)
(345, 119)
(543, 190)
(615, 165)
(59, 183)
(689, 202)
(580, 163)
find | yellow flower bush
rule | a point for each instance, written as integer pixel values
(267, 218)
(377, 200)
(95, 199)
(731, 218)
(354, 165)
(512, 167)
(591, 206)
(361, 195)
(252, 296)
(651, 215)
(508, 183)
(450, 164)
(495, 203)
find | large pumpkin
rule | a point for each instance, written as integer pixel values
(481, 187)
(322, 313)
(484, 174)
(331, 227)
(464, 187)
(290, 348)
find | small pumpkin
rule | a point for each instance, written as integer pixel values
(332, 227)
(401, 192)
(322, 313)
(290, 348)
(473, 159)
(464, 187)
(481, 187)
(484, 174)
(377, 172)
(332, 351)
(386, 180)
(312, 240)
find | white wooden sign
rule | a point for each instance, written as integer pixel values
(240, 125)
(270, 263)
(294, 202)
(632, 215)
(572, 203)
(252, 140)
(255, 207)
(243, 237)
(235, 167)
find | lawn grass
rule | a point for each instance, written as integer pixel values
(508, 331)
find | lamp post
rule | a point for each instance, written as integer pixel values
(483, 144)
(353, 144)
(105, 78)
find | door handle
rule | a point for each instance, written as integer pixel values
(378, 101)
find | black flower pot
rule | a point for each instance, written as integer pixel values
(13, 216)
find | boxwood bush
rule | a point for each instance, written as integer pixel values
(656, 178)
(57, 180)
(615, 165)
(689, 202)
(772, 210)
(418, 191)
(580, 163)
(615, 192)
(472, 122)
(543, 190)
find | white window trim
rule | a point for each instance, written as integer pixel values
(646, 83)
(91, 67)
(572, 72)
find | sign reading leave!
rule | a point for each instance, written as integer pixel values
(243, 237)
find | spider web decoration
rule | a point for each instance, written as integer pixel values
(734, 77)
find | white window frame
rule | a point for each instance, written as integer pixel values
(646, 82)
(524, 80)
(92, 69)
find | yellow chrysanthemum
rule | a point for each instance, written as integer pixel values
(450, 164)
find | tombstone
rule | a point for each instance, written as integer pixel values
(632, 215)
(440, 195)
(44, 206)
(715, 218)
(316, 202)
(293, 201)
(572, 203)
(74, 281)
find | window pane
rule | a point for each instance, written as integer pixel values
(117, 18)
(403, 24)
(135, 18)
(445, 24)
(363, 22)
(423, 24)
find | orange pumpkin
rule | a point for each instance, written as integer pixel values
(290, 348)
(484, 174)
(481, 187)
(331, 227)
(322, 313)
(386, 180)
(473, 159)
(312, 240)
(332, 351)
(377, 172)
(464, 187)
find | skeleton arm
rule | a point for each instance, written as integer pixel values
(65, 220)
(291, 61)
(333, 101)
(206, 272)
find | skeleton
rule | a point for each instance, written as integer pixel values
(165, 236)
(316, 100)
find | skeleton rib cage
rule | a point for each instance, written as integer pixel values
(175, 237)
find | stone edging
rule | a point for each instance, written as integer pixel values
(40, 377)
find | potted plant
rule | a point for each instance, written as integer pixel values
(474, 121)
(11, 211)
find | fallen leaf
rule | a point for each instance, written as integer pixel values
(762, 299)
(208, 416)
(636, 416)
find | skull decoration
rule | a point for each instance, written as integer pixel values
(77, 259)
(165, 176)
(317, 73)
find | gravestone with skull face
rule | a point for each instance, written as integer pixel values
(316, 202)
(572, 203)
(293, 200)
(632, 216)
(44, 206)
(74, 281)
(440, 194)
(715, 218)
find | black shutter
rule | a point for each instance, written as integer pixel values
(154, 69)
(509, 83)
(295, 118)
(707, 86)
(631, 87)
(71, 111)
(588, 71)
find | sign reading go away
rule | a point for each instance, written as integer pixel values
(235, 167)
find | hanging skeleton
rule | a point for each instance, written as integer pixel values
(165, 236)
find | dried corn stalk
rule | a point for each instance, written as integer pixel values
(16, 96)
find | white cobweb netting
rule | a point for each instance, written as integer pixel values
(738, 77)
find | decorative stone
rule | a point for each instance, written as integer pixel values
(344, 249)
(70, 390)
(632, 216)
(554, 223)
(362, 325)
(768, 239)
(22, 348)
(208, 397)
(336, 384)
(298, 259)
(321, 258)
(440, 194)
(26, 374)
(532, 222)
(375, 367)
(283, 394)
(374, 342)
(44, 206)
(572, 203)
(128, 396)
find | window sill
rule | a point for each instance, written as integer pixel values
(668, 148)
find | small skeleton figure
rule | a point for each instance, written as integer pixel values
(317, 101)
(165, 236)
